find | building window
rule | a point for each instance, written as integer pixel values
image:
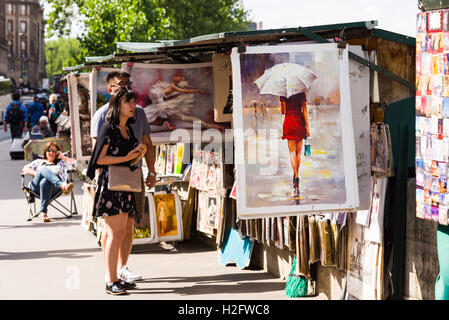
(10, 26)
(23, 10)
(9, 8)
(24, 67)
(23, 47)
(11, 65)
(10, 49)
(23, 26)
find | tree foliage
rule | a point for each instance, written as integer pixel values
(110, 21)
(60, 53)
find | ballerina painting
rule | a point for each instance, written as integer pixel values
(175, 96)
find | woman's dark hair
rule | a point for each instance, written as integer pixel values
(113, 113)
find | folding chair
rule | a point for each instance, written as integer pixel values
(31, 197)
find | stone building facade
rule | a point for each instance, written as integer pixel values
(24, 35)
(3, 42)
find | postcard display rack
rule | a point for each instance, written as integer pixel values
(432, 115)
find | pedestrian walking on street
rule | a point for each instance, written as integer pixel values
(17, 116)
(117, 80)
(53, 112)
(50, 175)
(116, 144)
(35, 111)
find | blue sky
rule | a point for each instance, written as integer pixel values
(392, 15)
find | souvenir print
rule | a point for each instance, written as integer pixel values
(420, 179)
(434, 65)
(443, 215)
(446, 86)
(435, 21)
(427, 181)
(429, 87)
(445, 147)
(421, 22)
(443, 185)
(426, 64)
(445, 21)
(427, 198)
(434, 169)
(445, 63)
(441, 64)
(435, 213)
(437, 85)
(435, 185)
(445, 127)
(445, 42)
(427, 212)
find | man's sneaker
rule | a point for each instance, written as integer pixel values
(127, 285)
(115, 289)
(127, 275)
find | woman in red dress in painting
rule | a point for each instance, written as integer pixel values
(295, 130)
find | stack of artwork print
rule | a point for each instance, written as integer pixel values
(270, 125)
(432, 115)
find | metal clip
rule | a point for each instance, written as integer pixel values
(342, 43)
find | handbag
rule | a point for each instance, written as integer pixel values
(122, 178)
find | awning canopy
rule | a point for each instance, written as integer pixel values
(200, 49)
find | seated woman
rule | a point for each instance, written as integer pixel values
(50, 175)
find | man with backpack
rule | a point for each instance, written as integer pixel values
(17, 116)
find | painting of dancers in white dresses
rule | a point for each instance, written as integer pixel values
(174, 96)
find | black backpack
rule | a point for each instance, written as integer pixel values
(15, 115)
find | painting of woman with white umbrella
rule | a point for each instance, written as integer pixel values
(284, 95)
(290, 81)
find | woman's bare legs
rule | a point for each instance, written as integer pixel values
(127, 243)
(295, 147)
(115, 226)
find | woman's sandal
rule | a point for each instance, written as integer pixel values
(66, 188)
(46, 219)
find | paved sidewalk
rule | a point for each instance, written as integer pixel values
(61, 260)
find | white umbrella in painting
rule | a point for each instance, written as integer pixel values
(285, 79)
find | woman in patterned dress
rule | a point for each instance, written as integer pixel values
(116, 144)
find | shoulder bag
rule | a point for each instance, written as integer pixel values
(122, 178)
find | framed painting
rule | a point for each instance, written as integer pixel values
(168, 216)
(99, 93)
(81, 110)
(222, 87)
(293, 130)
(145, 230)
(175, 96)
